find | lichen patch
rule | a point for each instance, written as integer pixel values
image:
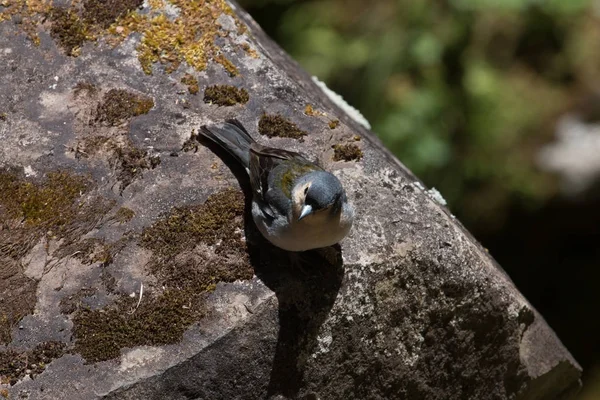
(188, 37)
(167, 38)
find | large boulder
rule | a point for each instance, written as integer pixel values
(130, 268)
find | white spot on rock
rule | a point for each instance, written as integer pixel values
(436, 196)
(343, 104)
(139, 357)
(29, 171)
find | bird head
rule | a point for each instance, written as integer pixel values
(317, 195)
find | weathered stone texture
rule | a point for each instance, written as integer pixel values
(130, 269)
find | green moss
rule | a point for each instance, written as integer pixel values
(3, 117)
(119, 105)
(68, 30)
(49, 204)
(31, 14)
(104, 12)
(186, 226)
(190, 37)
(88, 251)
(225, 95)
(91, 145)
(58, 207)
(164, 316)
(159, 320)
(73, 303)
(187, 38)
(191, 82)
(15, 365)
(278, 126)
(346, 152)
(228, 65)
(18, 293)
(334, 123)
(124, 215)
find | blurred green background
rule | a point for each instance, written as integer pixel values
(467, 94)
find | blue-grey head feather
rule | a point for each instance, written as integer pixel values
(325, 190)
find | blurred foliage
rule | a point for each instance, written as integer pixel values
(464, 92)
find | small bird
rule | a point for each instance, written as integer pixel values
(296, 204)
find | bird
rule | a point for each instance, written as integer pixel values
(296, 204)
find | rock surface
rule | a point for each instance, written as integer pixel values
(130, 269)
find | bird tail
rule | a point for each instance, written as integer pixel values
(232, 137)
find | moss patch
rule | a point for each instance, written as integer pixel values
(116, 108)
(124, 215)
(191, 82)
(225, 95)
(334, 123)
(15, 365)
(249, 50)
(73, 303)
(104, 12)
(88, 251)
(3, 117)
(228, 65)
(278, 126)
(184, 273)
(18, 296)
(163, 319)
(120, 105)
(310, 111)
(130, 162)
(68, 30)
(58, 206)
(169, 41)
(189, 37)
(346, 152)
(69, 26)
(31, 13)
(55, 207)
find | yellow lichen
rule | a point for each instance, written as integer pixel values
(191, 82)
(31, 12)
(171, 41)
(250, 51)
(189, 37)
(310, 111)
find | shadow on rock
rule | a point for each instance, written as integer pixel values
(306, 285)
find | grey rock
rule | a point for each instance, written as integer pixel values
(97, 304)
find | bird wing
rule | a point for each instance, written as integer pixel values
(263, 163)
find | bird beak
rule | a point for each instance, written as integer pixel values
(306, 210)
